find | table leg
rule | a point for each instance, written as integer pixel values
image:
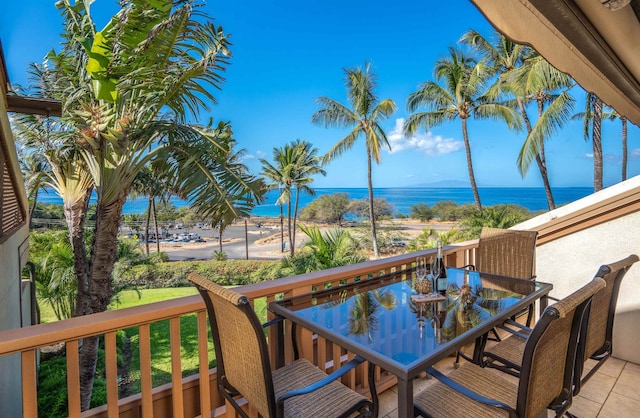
(405, 398)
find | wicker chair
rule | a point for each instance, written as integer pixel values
(596, 341)
(506, 252)
(298, 389)
(546, 373)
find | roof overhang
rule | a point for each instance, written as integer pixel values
(24, 104)
(596, 45)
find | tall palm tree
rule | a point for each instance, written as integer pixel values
(307, 164)
(592, 117)
(279, 175)
(291, 173)
(148, 182)
(363, 117)
(34, 169)
(523, 73)
(461, 96)
(539, 82)
(127, 92)
(613, 115)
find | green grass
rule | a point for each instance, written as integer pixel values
(160, 344)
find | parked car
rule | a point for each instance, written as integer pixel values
(397, 242)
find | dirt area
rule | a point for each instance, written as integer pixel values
(264, 238)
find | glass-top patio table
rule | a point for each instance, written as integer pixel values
(378, 319)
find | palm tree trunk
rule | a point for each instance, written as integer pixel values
(295, 219)
(623, 119)
(597, 145)
(103, 255)
(472, 178)
(541, 160)
(281, 230)
(146, 225)
(155, 223)
(75, 215)
(372, 218)
(289, 226)
(32, 209)
(220, 237)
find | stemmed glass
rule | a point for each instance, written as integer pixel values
(421, 274)
(435, 274)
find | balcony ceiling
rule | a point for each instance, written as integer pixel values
(598, 46)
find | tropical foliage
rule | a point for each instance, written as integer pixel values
(461, 95)
(364, 118)
(334, 248)
(291, 173)
(127, 92)
(527, 77)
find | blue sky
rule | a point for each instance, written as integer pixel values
(288, 53)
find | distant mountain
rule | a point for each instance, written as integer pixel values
(445, 184)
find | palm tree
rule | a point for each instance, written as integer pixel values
(294, 164)
(127, 92)
(148, 182)
(279, 176)
(593, 116)
(526, 75)
(34, 169)
(363, 118)
(307, 164)
(625, 151)
(461, 96)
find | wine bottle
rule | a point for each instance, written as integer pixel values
(442, 278)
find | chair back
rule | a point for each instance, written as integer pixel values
(597, 334)
(240, 345)
(546, 377)
(507, 252)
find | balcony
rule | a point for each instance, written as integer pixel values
(574, 241)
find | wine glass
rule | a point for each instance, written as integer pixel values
(421, 273)
(435, 274)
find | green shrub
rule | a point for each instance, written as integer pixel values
(230, 272)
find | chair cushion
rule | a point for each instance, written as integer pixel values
(510, 349)
(329, 401)
(440, 401)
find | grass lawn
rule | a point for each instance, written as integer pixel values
(160, 344)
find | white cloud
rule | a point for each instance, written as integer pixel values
(588, 155)
(426, 143)
(635, 153)
(258, 154)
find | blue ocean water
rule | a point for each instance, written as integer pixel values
(402, 199)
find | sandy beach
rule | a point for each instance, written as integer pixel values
(264, 238)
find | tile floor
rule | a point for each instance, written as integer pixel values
(613, 392)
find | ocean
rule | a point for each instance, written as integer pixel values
(402, 198)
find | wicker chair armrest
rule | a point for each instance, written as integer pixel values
(273, 321)
(320, 383)
(468, 392)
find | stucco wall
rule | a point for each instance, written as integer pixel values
(10, 288)
(571, 261)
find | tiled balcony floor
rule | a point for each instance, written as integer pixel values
(611, 393)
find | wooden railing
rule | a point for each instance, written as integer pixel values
(186, 397)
